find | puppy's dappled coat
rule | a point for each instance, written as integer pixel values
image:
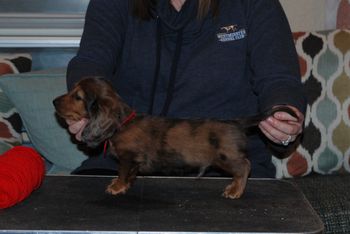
(148, 143)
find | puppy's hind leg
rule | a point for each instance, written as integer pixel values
(240, 169)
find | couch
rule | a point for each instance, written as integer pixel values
(320, 165)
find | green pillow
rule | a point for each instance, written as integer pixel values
(32, 94)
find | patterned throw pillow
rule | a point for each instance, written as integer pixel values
(325, 68)
(32, 93)
(10, 121)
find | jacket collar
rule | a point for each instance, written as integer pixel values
(173, 19)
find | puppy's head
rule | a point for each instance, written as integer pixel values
(94, 99)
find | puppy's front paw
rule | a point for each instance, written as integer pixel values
(233, 191)
(117, 187)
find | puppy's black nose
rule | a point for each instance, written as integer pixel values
(55, 102)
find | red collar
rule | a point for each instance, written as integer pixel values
(130, 117)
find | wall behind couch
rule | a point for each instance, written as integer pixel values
(314, 15)
(303, 15)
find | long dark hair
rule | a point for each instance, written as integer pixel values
(142, 8)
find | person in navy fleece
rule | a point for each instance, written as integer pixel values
(219, 59)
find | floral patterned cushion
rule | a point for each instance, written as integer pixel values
(10, 121)
(325, 68)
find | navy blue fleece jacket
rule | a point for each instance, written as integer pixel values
(235, 65)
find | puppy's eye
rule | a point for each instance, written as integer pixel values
(77, 97)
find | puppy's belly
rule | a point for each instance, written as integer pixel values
(169, 170)
(167, 163)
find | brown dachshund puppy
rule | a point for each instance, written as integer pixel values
(148, 143)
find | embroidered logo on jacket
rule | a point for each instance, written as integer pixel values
(231, 33)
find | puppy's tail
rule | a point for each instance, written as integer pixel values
(253, 121)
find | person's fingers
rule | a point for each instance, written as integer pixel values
(80, 131)
(284, 127)
(278, 134)
(77, 127)
(267, 134)
(70, 122)
(284, 116)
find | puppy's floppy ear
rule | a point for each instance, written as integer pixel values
(91, 105)
(102, 122)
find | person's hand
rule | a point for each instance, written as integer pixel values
(282, 128)
(76, 127)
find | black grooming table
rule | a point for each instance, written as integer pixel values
(75, 204)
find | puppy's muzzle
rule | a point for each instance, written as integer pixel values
(57, 102)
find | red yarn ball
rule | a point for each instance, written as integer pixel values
(22, 170)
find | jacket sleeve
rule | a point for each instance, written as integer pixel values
(101, 42)
(273, 58)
